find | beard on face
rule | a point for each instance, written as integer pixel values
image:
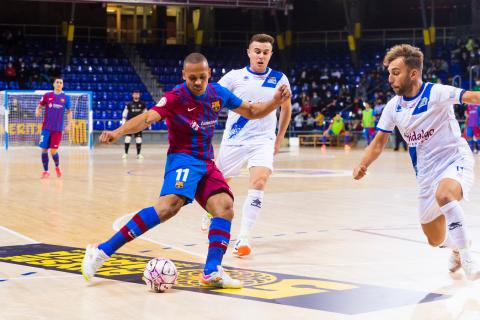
(404, 87)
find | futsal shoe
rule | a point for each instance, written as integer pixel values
(58, 171)
(220, 279)
(206, 220)
(125, 156)
(347, 147)
(242, 248)
(323, 148)
(139, 157)
(45, 175)
(454, 261)
(92, 261)
(469, 266)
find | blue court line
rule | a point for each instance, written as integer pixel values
(28, 273)
(1, 280)
(143, 251)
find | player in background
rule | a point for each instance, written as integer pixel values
(442, 160)
(252, 142)
(56, 102)
(133, 109)
(336, 128)
(191, 111)
(472, 130)
(368, 122)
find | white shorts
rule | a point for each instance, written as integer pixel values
(461, 171)
(232, 158)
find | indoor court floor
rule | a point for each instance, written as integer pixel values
(324, 247)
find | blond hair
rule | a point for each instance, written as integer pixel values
(412, 56)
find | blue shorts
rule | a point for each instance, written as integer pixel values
(473, 132)
(50, 139)
(192, 178)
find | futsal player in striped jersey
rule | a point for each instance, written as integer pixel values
(56, 103)
(191, 110)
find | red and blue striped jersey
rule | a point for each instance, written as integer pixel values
(55, 106)
(191, 119)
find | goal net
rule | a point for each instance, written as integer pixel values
(20, 127)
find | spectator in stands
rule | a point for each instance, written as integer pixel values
(298, 121)
(54, 72)
(306, 106)
(296, 108)
(378, 108)
(22, 76)
(10, 72)
(35, 72)
(315, 102)
(319, 120)
(310, 122)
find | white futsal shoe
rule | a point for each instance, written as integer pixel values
(92, 261)
(206, 220)
(220, 279)
(454, 261)
(242, 247)
(470, 266)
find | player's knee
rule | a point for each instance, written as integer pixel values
(223, 207)
(435, 241)
(138, 140)
(168, 206)
(444, 196)
(128, 139)
(260, 182)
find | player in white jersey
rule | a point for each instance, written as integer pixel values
(252, 142)
(443, 162)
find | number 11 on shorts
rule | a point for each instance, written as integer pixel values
(185, 174)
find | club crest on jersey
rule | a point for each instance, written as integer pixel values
(272, 80)
(216, 105)
(62, 100)
(423, 102)
(179, 184)
(245, 78)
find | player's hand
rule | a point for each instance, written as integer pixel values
(108, 137)
(276, 149)
(282, 94)
(359, 172)
(68, 127)
(38, 112)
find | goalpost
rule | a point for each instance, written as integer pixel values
(20, 127)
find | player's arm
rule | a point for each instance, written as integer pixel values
(261, 109)
(328, 129)
(134, 125)
(371, 154)
(68, 126)
(283, 122)
(471, 97)
(38, 110)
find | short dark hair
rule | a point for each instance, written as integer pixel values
(194, 58)
(262, 38)
(57, 78)
(136, 91)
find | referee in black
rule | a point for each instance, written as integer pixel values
(133, 109)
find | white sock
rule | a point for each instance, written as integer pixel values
(456, 236)
(251, 209)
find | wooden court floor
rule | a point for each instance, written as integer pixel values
(325, 246)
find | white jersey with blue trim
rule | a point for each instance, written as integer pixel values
(253, 87)
(427, 123)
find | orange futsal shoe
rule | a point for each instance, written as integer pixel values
(45, 175)
(58, 171)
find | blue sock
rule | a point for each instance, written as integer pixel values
(347, 139)
(143, 221)
(471, 144)
(56, 159)
(324, 140)
(45, 161)
(219, 237)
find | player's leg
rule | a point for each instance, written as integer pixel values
(449, 228)
(366, 134)
(229, 161)
(469, 137)
(55, 138)
(128, 139)
(476, 136)
(138, 141)
(215, 196)
(325, 137)
(44, 144)
(144, 220)
(347, 140)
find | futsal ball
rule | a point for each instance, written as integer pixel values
(160, 274)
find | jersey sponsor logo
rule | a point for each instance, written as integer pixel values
(206, 124)
(419, 137)
(216, 105)
(272, 80)
(162, 102)
(245, 78)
